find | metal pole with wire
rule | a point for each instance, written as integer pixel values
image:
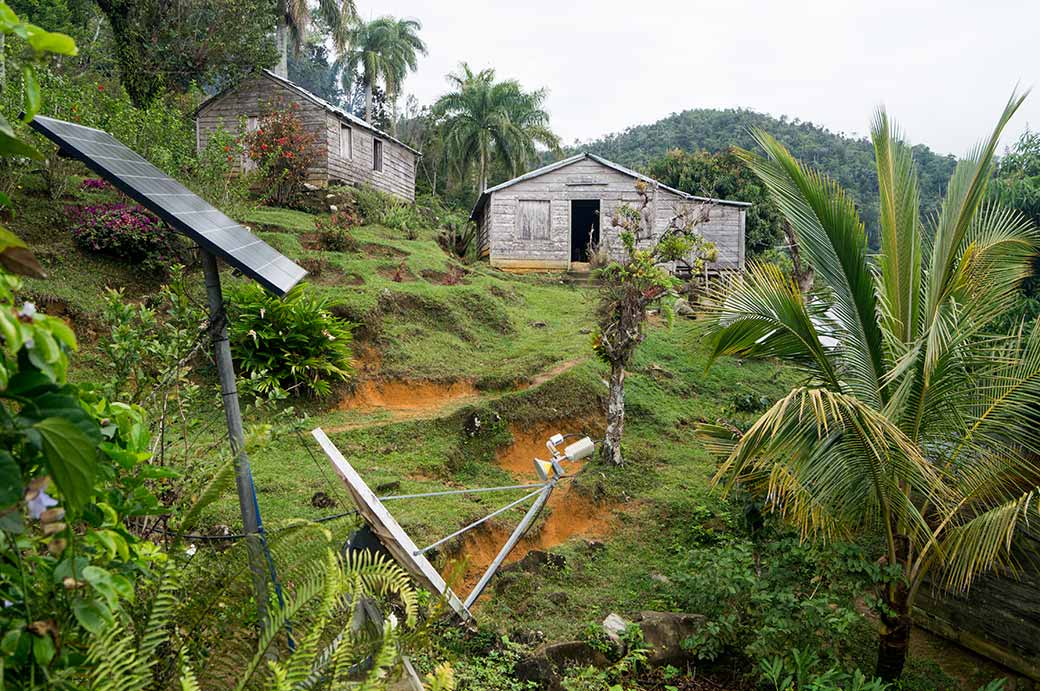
(250, 510)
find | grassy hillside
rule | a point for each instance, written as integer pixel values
(849, 160)
(463, 372)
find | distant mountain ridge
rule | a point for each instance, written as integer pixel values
(849, 160)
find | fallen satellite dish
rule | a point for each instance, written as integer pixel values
(412, 558)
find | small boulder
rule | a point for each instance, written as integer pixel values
(573, 654)
(392, 486)
(665, 633)
(558, 598)
(538, 670)
(614, 625)
(683, 309)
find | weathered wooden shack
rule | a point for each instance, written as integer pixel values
(549, 218)
(350, 150)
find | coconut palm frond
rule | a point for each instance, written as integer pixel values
(831, 235)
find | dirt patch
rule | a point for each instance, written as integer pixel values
(409, 398)
(569, 513)
(551, 374)
(399, 273)
(373, 249)
(452, 277)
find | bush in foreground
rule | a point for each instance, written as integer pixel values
(288, 345)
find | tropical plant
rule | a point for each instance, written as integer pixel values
(485, 120)
(383, 50)
(292, 344)
(916, 423)
(627, 287)
(284, 150)
(295, 17)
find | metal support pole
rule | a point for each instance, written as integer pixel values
(518, 532)
(251, 524)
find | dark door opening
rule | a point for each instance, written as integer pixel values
(584, 228)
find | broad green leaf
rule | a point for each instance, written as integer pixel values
(49, 41)
(10, 641)
(30, 94)
(43, 650)
(92, 615)
(70, 457)
(11, 487)
(16, 257)
(11, 145)
(62, 403)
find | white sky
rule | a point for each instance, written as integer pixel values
(944, 69)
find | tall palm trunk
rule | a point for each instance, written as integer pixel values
(615, 414)
(483, 167)
(368, 101)
(281, 38)
(896, 621)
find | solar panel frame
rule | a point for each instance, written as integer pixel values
(177, 206)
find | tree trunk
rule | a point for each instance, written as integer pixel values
(483, 170)
(615, 414)
(368, 101)
(281, 37)
(896, 623)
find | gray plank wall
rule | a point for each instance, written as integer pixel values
(398, 174)
(588, 179)
(1000, 615)
(250, 99)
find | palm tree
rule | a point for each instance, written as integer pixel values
(386, 50)
(294, 18)
(485, 119)
(916, 422)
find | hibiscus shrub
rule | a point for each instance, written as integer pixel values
(283, 150)
(125, 231)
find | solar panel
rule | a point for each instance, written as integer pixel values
(387, 529)
(179, 207)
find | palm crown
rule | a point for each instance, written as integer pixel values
(486, 119)
(383, 50)
(915, 421)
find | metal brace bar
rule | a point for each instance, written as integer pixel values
(474, 524)
(518, 532)
(459, 491)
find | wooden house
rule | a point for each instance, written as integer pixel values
(548, 219)
(350, 150)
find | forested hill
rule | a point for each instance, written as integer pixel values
(849, 160)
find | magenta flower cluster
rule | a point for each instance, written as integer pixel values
(125, 231)
(95, 185)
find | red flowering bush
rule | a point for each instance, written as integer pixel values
(283, 150)
(125, 231)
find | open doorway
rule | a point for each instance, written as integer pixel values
(584, 228)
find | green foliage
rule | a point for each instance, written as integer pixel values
(382, 50)
(215, 177)
(762, 599)
(284, 150)
(801, 670)
(334, 232)
(484, 120)
(848, 160)
(162, 45)
(144, 343)
(371, 203)
(724, 176)
(290, 344)
(918, 386)
(403, 217)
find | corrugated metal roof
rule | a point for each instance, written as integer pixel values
(317, 100)
(598, 159)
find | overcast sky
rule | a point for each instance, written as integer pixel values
(943, 69)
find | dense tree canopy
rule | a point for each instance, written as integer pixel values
(723, 176)
(850, 160)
